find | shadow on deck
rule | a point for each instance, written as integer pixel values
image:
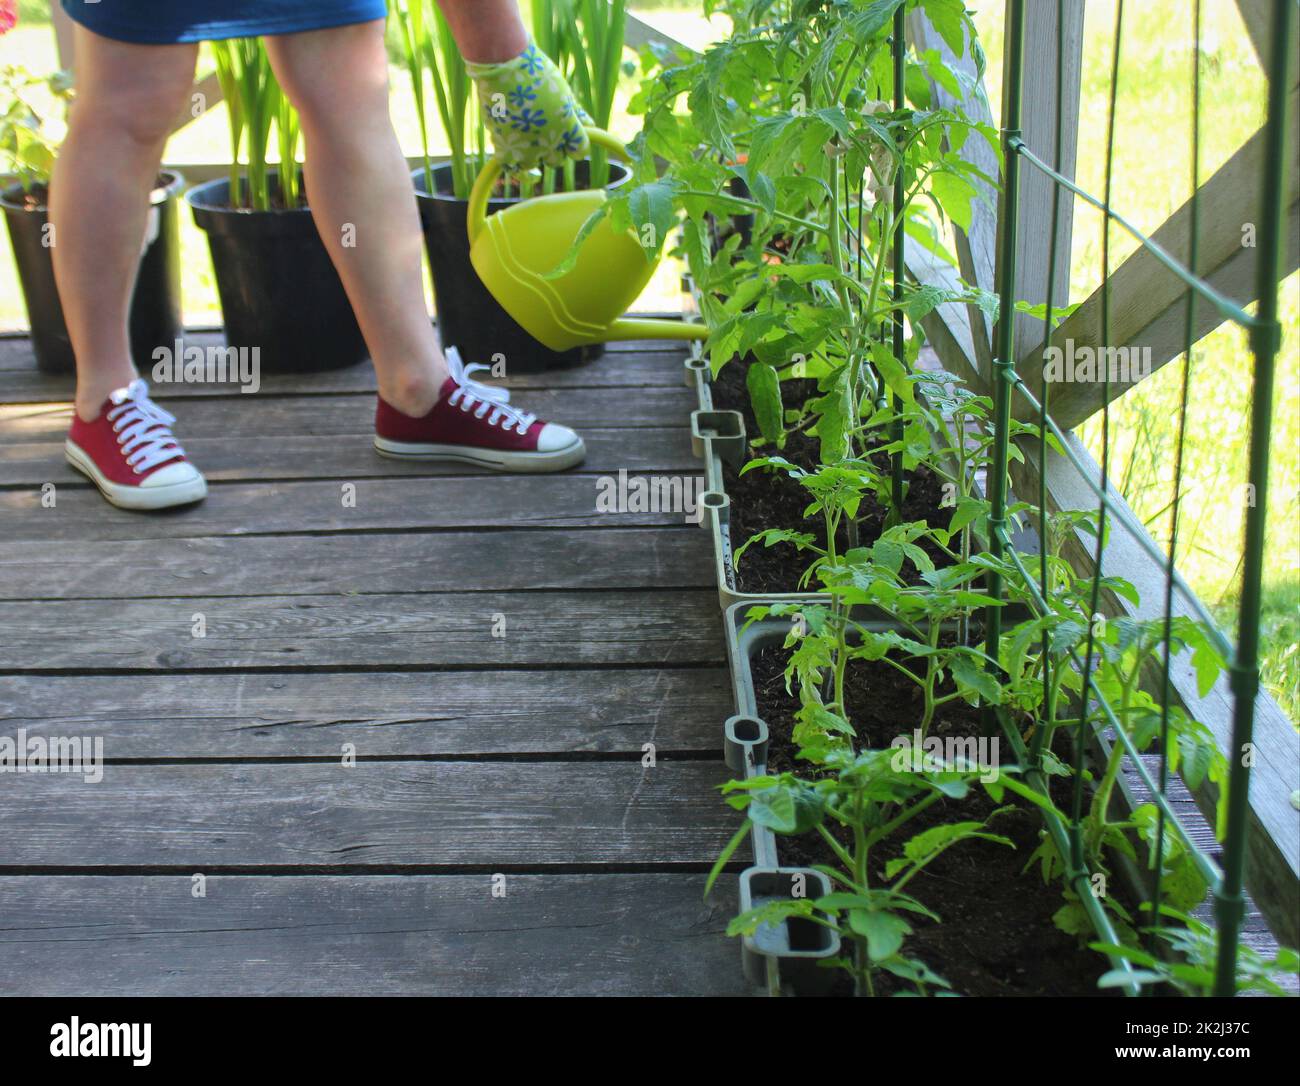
(406, 755)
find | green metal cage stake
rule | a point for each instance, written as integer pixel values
(899, 46)
(1226, 884)
(1265, 337)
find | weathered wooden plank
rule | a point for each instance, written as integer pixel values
(351, 564)
(470, 629)
(384, 714)
(1037, 191)
(354, 415)
(1254, 931)
(976, 253)
(665, 449)
(1257, 15)
(507, 501)
(632, 364)
(430, 935)
(488, 815)
(15, 352)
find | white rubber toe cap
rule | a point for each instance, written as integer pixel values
(180, 473)
(556, 438)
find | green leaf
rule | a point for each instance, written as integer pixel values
(832, 425)
(1071, 919)
(787, 808)
(803, 273)
(570, 258)
(941, 73)
(967, 510)
(893, 372)
(1197, 759)
(883, 931)
(760, 187)
(955, 195)
(863, 25)
(948, 17)
(726, 854)
(970, 675)
(838, 900)
(652, 205)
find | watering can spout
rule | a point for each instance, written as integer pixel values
(516, 251)
(654, 328)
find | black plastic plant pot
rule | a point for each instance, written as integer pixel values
(469, 318)
(280, 292)
(797, 945)
(155, 314)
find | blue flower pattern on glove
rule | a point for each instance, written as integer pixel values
(532, 61)
(530, 110)
(522, 94)
(528, 119)
(573, 140)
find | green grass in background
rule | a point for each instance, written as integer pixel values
(1151, 179)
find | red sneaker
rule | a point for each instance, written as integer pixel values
(129, 452)
(476, 423)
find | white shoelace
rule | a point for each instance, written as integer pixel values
(484, 400)
(462, 372)
(143, 428)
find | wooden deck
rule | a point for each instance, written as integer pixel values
(494, 652)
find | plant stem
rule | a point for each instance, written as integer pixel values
(911, 812)
(726, 196)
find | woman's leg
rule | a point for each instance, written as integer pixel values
(357, 178)
(128, 99)
(360, 189)
(361, 195)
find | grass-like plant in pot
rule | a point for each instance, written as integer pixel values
(469, 318)
(28, 147)
(589, 35)
(280, 292)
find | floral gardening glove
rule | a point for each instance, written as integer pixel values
(530, 110)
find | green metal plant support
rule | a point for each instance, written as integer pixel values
(1227, 882)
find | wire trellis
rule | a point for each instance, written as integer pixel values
(1225, 881)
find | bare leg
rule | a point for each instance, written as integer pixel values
(128, 98)
(360, 191)
(356, 175)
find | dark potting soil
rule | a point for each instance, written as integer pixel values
(277, 203)
(39, 196)
(996, 937)
(768, 498)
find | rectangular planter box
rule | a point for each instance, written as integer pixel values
(783, 957)
(787, 956)
(718, 437)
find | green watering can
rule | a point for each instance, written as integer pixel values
(514, 249)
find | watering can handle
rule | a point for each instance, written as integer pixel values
(478, 197)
